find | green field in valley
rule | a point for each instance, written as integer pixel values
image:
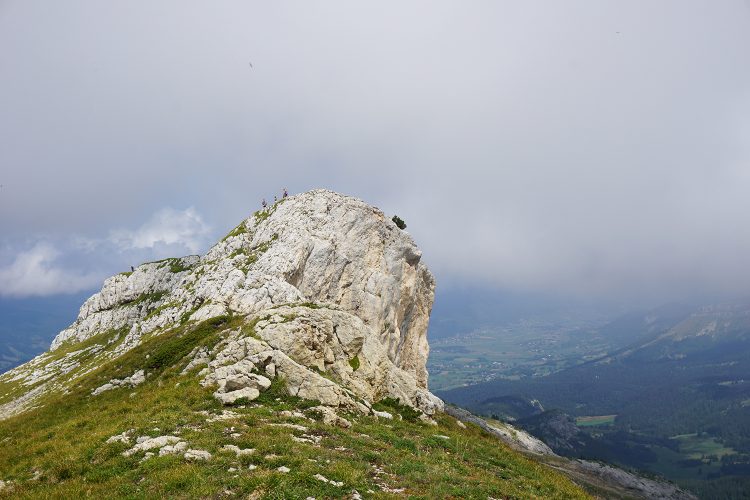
(595, 420)
(697, 446)
(699, 457)
(523, 349)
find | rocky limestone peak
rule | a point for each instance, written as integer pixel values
(337, 295)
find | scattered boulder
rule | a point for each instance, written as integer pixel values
(145, 443)
(237, 450)
(175, 449)
(324, 479)
(229, 398)
(308, 439)
(167, 445)
(121, 438)
(294, 414)
(428, 420)
(236, 381)
(245, 380)
(198, 455)
(330, 417)
(224, 415)
(296, 427)
(199, 356)
(136, 378)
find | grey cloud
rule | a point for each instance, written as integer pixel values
(596, 148)
(166, 227)
(36, 272)
(82, 262)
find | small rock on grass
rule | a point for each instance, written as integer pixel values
(382, 414)
(121, 438)
(228, 398)
(145, 443)
(324, 479)
(330, 417)
(197, 455)
(237, 450)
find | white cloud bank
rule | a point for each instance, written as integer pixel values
(37, 272)
(50, 269)
(167, 227)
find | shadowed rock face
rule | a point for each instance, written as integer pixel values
(335, 287)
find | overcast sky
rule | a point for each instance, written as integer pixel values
(591, 148)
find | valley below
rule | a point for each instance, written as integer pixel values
(663, 392)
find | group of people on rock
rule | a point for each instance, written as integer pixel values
(264, 203)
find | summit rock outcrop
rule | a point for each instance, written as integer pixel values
(335, 299)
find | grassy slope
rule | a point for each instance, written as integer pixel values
(63, 443)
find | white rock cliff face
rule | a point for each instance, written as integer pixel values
(337, 294)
